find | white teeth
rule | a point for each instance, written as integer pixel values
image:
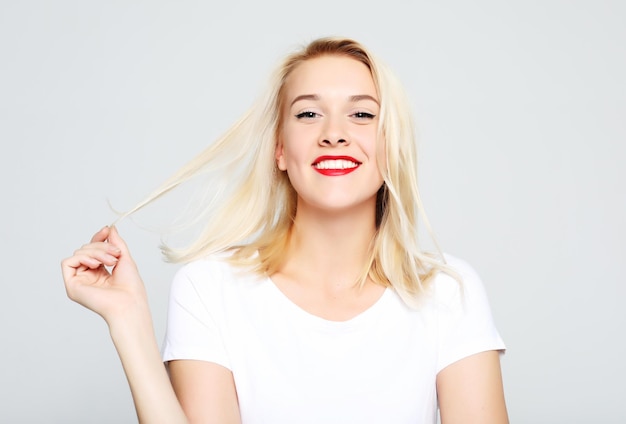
(336, 164)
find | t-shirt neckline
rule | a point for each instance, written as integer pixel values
(309, 318)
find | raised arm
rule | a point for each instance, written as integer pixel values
(470, 391)
(119, 297)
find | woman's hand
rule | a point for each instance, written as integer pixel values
(120, 298)
(112, 294)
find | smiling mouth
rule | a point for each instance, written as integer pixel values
(334, 165)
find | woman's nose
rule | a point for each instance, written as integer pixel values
(333, 134)
(327, 141)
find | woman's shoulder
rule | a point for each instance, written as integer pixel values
(213, 265)
(465, 325)
(460, 284)
(454, 270)
(212, 273)
(460, 265)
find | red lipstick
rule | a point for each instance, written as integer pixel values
(335, 165)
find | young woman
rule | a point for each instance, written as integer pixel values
(306, 299)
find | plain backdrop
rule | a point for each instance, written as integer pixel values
(521, 108)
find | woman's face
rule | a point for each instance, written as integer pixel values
(328, 138)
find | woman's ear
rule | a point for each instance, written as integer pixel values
(280, 158)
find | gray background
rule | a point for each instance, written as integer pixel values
(521, 109)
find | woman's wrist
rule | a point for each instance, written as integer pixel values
(131, 324)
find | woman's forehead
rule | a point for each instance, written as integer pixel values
(338, 74)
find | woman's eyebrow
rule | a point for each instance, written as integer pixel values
(305, 97)
(353, 99)
(364, 97)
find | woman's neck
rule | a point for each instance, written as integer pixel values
(332, 246)
(326, 257)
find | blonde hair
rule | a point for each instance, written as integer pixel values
(253, 218)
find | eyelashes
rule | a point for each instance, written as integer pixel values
(364, 115)
(307, 114)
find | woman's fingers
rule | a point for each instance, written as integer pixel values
(106, 248)
(75, 264)
(101, 235)
(102, 252)
(116, 240)
(102, 247)
(81, 270)
(126, 265)
(91, 256)
(102, 276)
(78, 263)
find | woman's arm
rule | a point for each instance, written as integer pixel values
(119, 297)
(206, 391)
(153, 394)
(470, 391)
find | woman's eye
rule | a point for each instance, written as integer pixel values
(307, 114)
(364, 115)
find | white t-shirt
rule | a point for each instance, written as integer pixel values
(290, 366)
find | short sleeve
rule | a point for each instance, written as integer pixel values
(193, 332)
(465, 322)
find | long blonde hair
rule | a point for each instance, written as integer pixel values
(251, 213)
